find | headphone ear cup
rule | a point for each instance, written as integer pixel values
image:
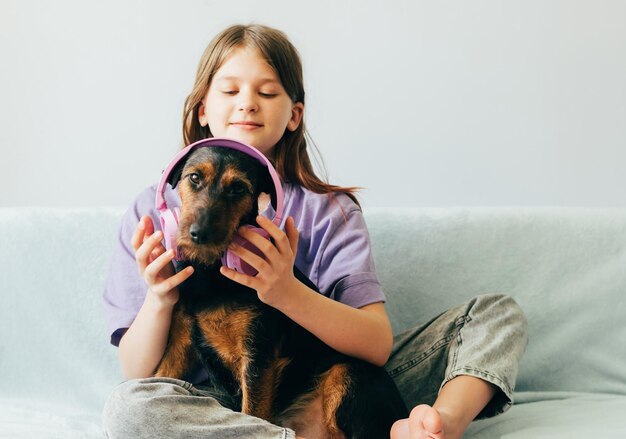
(231, 260)
(169, 226)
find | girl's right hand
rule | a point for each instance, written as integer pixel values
(155, 264)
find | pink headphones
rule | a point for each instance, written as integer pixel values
(169, 217)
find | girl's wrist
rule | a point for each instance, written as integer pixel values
(158, 304)
(294, 298)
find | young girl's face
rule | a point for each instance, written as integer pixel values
(247, 102)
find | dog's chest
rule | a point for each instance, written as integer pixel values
(232, 329)
(228, 332)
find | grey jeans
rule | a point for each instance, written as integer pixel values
(484, 337)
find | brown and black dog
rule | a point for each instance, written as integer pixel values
(265, 364)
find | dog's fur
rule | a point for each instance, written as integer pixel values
(262, 362)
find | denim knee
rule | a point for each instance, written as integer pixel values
(125, 414)
(170, 408)
(512, 314)
(135, 409)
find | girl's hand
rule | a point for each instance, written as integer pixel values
(275, 278)
(155, 264)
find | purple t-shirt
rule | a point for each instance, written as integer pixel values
(333, 251)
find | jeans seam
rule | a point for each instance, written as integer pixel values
(459, 322)
(422, 357)
(286, 434)
(455, 352)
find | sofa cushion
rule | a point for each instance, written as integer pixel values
(571, 416)
(28, 418)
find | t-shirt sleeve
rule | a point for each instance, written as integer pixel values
(125, 289)
(346, 270)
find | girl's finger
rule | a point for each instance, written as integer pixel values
(267, 248)
(158, 251)
(252, 259)
(281, 242)
(292, 234)
(242, 279)
(152, 271)
(142, 255)
(138, 235)
(144, 229)
(149, 225)
(173, 281)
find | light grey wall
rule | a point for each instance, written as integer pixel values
(424, 103)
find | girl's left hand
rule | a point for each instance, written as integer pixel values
(275, 276)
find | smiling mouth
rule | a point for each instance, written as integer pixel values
(247, 125)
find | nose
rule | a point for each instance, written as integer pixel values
(247, 102)
(198, 234)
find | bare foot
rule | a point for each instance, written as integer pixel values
(424, 422)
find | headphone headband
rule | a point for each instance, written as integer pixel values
(160, 202)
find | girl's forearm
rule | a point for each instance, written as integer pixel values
(362, 333)
(142, 346)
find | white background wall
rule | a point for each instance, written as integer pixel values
(424, 103)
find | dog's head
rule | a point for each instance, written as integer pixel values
(219, 189)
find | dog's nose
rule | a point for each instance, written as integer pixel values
(198, 235)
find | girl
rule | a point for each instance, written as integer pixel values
(249, 87)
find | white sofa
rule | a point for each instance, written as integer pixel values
(565, 267)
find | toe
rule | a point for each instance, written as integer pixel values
(432, 421)
(425, 419)
(400, 429)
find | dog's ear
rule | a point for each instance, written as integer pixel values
(176, 173)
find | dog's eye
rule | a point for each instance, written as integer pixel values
(238, 189)
(194, 178)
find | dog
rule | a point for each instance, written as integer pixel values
(264, 363)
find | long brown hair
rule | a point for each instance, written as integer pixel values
(291, 158)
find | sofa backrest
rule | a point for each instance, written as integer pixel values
(54, 344)
(565, 267)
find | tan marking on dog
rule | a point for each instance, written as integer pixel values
(227, 331)
(232, 173)
(304, 416)
(314, 414)
(179, 355)
(334, 385)
(264, 395)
